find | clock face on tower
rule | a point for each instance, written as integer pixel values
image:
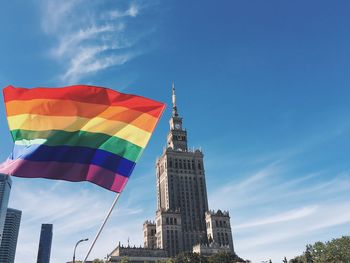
(177, 126)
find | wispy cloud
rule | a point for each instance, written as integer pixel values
(275, 205)
(91, 36)
(283, 217)
(75, 212)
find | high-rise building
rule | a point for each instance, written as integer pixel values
(10, 236)
(5, 188)
(44, 251)
(182, 203)
(181, 191)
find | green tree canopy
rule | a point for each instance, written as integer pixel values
(125, 260)
(225, 257)
(189, 257)
(336, 250)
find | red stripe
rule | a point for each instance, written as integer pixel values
(88, 94)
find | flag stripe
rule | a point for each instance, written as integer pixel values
(69, 154)
(71, 123)
(101, 141)
(88, 94)
(73, 172)
(52, 107)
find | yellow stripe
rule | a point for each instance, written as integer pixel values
(49, 107)
(73, 123)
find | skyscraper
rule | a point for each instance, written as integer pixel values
(5, 188)
(45, 244)
(181, 191)
(10, 236)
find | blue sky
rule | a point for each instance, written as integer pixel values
(263, 87)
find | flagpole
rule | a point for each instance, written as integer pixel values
(103, 224)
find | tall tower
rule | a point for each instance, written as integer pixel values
(177, 137)
(219, 228)
(181, 191)
(45, 244)
(10, 236)
(149, 234)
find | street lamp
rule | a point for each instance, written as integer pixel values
(81, 240)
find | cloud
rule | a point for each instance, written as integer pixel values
(283, 217)
(132, 11)
(54, 12)
(276, 206)
(76, 212)
(91, 36)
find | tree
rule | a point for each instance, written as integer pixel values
(298, 259)
(170, 260)
(336, 250)
(125, 260)
(189, 257)
(308, 254)
(224, 257)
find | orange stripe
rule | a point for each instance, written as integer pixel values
(50, 107)
(87, 94)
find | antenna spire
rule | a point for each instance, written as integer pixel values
(174, 100)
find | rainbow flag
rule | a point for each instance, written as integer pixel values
(78, 133)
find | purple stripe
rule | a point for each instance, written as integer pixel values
(73, 172)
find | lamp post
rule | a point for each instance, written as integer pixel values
(81, 240)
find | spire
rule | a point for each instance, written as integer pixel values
(174, 100)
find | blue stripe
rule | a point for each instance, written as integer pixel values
(70, 154)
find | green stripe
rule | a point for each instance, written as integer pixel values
(101, 141)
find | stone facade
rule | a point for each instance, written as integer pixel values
(169, 231)
(182, 195)
(219, 228)
(137, 254)
(210, 249)
(149, 234)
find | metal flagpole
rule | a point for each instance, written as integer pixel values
(103, 224)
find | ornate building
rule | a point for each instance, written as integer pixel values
(182, 218)
(219, 228)
(149, 231)
(137, 254)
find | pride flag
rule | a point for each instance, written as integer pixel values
(78, 133)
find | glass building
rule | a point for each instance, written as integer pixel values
(5, 188)
(10, 236)
(45, 243)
